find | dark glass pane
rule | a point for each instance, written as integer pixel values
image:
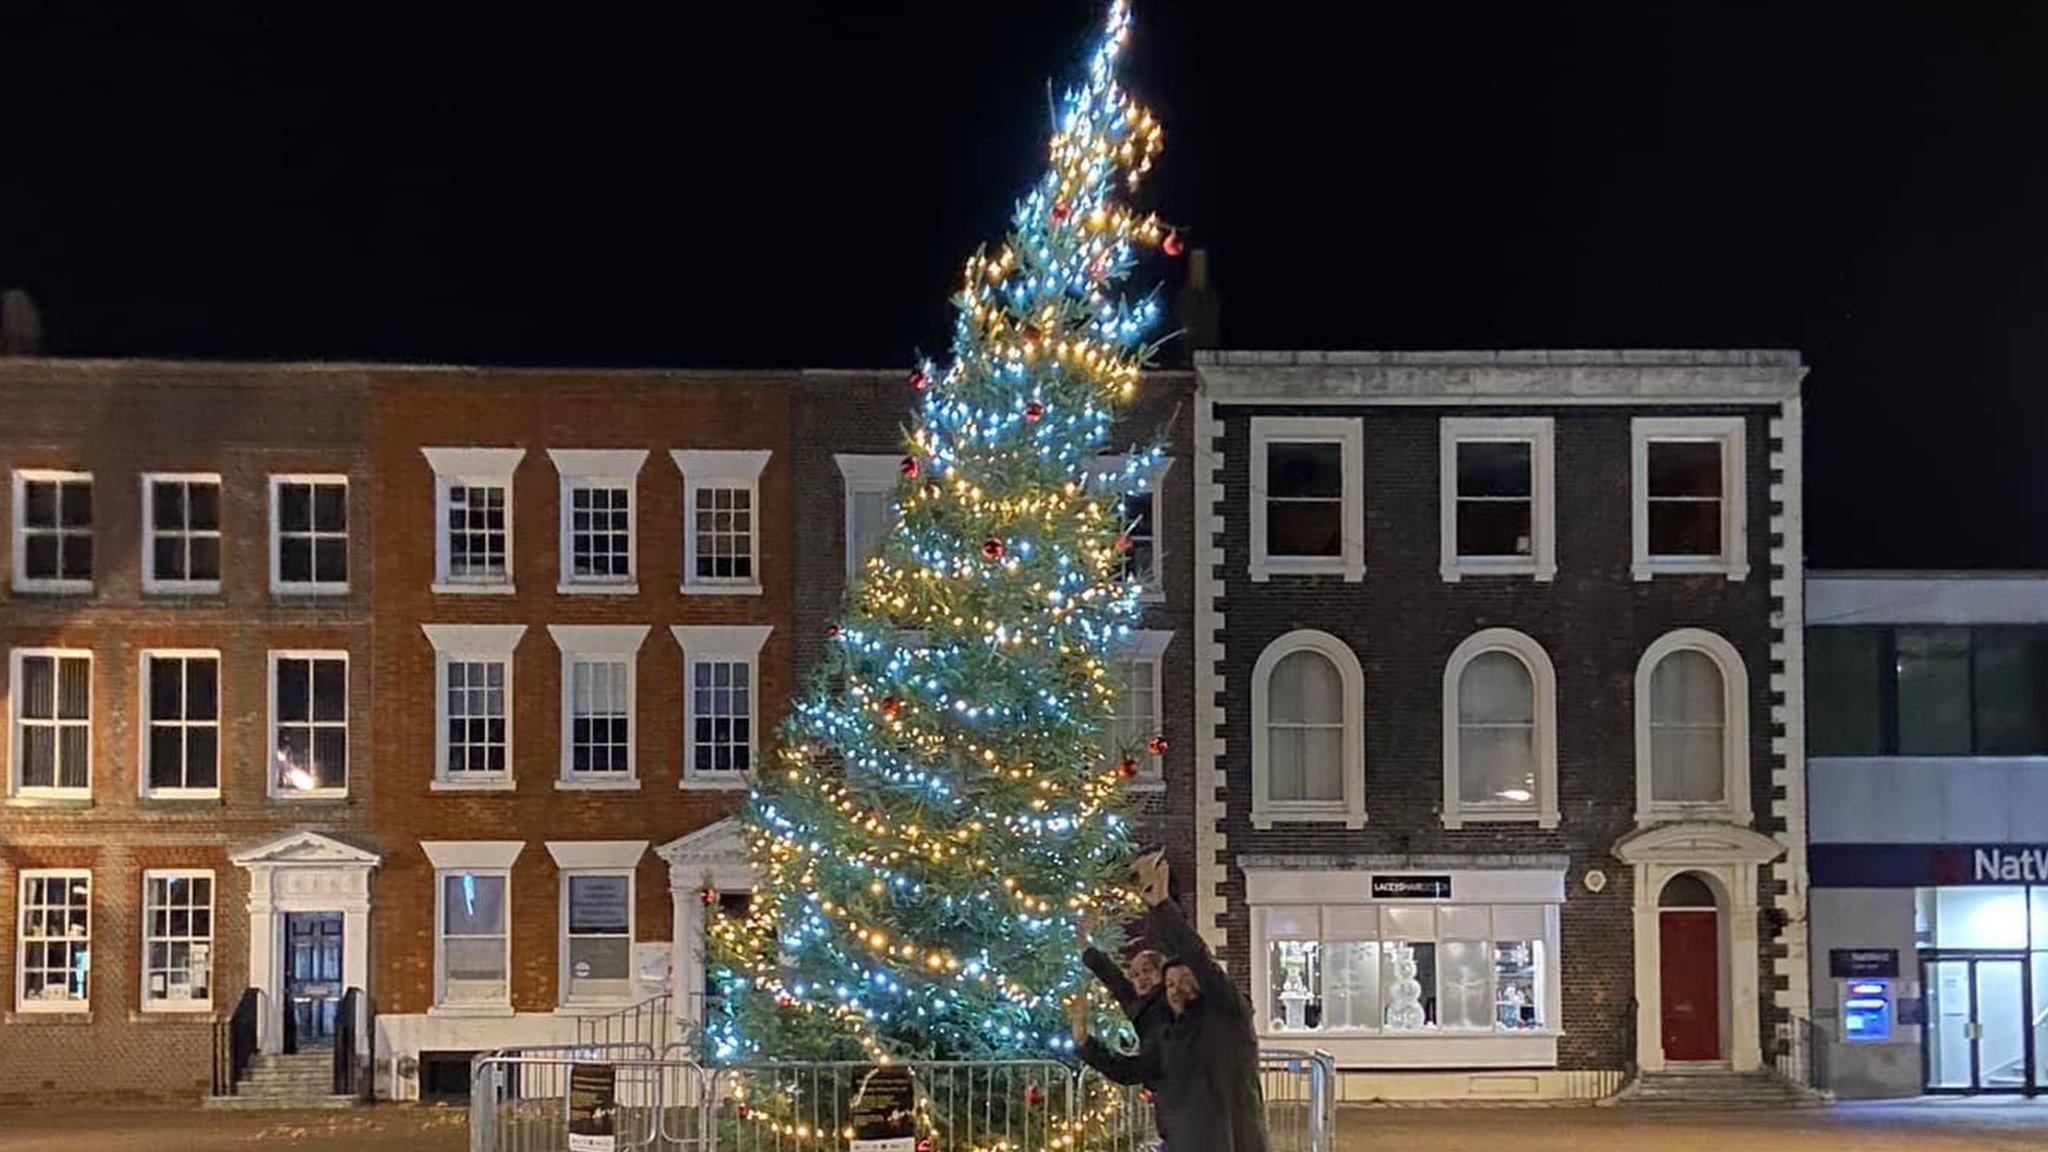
(330, 690)
(74, 688)
(295, 560)
(1306, 529)
(167, 502)
(2011, 681)
(166, 758)
(166, 689)
(1304, 469)
(202, 758)
(294, 689)
(1493, 528)
(331, 560)
(40, 557)
(330, 508)
(71, 741)
(39, 498)
(202, 506)
(1685, 468)
(1685, 528)
(1494, 468)
(330, 757)
(294, 508)
(1934, 691)
(202, 689)
(77, 504)
(77, 563)
(38, 756)
(39, 687)
(167, 558)
(1844, 691)
(204, 559)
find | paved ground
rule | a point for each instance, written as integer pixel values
(1921, 1126)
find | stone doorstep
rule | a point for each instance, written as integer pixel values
(280, 1103)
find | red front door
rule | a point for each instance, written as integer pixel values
(1689, 967)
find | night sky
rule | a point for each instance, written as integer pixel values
(785, 184)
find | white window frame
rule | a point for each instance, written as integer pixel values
(1540, 433)
(146, 722)
(1347, 432)
(1152, 584)
(1543, 683)
(1147, 646)
(599, 642)
(472, 468)
(212, 937)
(595, 858)
(272, 784)
(57, 1007)
(740, 643)
(279, 586)
(15, 695)
(1735, 804)
(23, 582)
(598, 468)
(720, 468)
(1730, 432)
(492, 858)
(470, 643)
(1348, 811)
(150, 582)
(862, 474)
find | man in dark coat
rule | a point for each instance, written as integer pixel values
(1207, 1063)
(1139, 989)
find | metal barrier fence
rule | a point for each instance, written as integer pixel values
(519, 1103)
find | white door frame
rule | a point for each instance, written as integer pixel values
(713, 858)
(1728, 857)
(305, 872)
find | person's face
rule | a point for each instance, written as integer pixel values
(1143, 972)
(1181, 988)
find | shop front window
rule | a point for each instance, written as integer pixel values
(1463, 968)
(1515, 967)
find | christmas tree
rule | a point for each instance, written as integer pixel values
(941, 809)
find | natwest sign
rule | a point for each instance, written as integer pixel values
(2009, 865)
(1925, 865)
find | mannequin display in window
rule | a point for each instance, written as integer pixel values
(1206, 1064)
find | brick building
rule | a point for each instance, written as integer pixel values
(1498, 690)
(185, 615)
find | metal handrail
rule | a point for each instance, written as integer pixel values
(345, 1026)
(235, 1039)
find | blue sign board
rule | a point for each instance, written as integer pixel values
(1925, 865)
(1867, 1011)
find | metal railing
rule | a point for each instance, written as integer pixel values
(651, 1022)
(348, 1023)
(234, 1041)
(669, 1103)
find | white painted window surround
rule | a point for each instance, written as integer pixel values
(1540, 809)
(715, 646)
(309, 543)
(1734, 804)
(598, 644)
(478, 859)
(60, 537)
(607, 470)
(175, 517)
(1149, 571)
(50, 730)
(471, 644)
(481, 468)
(1729, 433)
(1143, 719)
(706, 473)
(1348, 808)
(870, 490)
(316, 729)
(1348, 433)
(177, 742)
(595, 860)
(53, 914)
(1539, 432)
(178, 953)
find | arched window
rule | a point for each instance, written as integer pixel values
(1308, 743)
(1692, 730)
(1500, 731)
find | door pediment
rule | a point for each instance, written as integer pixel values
(1697, 844)
(304, 847)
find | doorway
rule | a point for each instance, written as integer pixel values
(312, 975)
(1977, 1039)
(1689, 970)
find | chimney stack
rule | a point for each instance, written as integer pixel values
(1200, 309)
(21, 326)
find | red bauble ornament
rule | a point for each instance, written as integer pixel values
(891, 707)
(833, 632)
(1031, 333)
(992, 548)
(1060, 212)
(1123, 543)
(1127, 768)
(1156, 745)
(925, 1145)
(909, 466)
(1172, 245)
(1098, 269)
(709, 896)
(1033, 411)
(1145, 1094)
(920, 380)
(745, 1111)
(782, 1000)
(1034, 1095)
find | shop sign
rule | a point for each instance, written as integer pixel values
(1925, 865)
(1855, 963)
(1411, 887)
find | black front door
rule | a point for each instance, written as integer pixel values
(312, 978)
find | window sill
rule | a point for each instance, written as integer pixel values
(50, 1017)
(592, 588)
(504, 785)
(582, 1008)
(188, 1012)
(1705, 814)
(331, 796)
(1145, 786)
(630, 785)
(53, 587)
(1265, 818)
(447, 589)
(721, 589)
(471, 1011)
(308, 591)
(207, 588)
(1264, 568)
(177, 797)
(714, 784)
(60, 800)
(1481, 566)
(1458, 818)
(1657, 566)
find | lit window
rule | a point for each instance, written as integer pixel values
(1135, 666)
(53, 531)
(597, 515)
(1692, 729)
(1498, 498)
(598, 937)
(309, 535)
(870, 484)
(721, 533)
(473, 688)
(1500, 731)
(598, 673)
(177, 969)
(52, 701)
(1308, 743)
(54, 956)
(181, 527)
(473, 540)
(1689, 500)
(472, 925)
(1307, 497)
(181, 695)
(309, 724)
(721, 717)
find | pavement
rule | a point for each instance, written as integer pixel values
(1909, 1126)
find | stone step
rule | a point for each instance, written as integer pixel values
(1717, 1090)
(281, 1103)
